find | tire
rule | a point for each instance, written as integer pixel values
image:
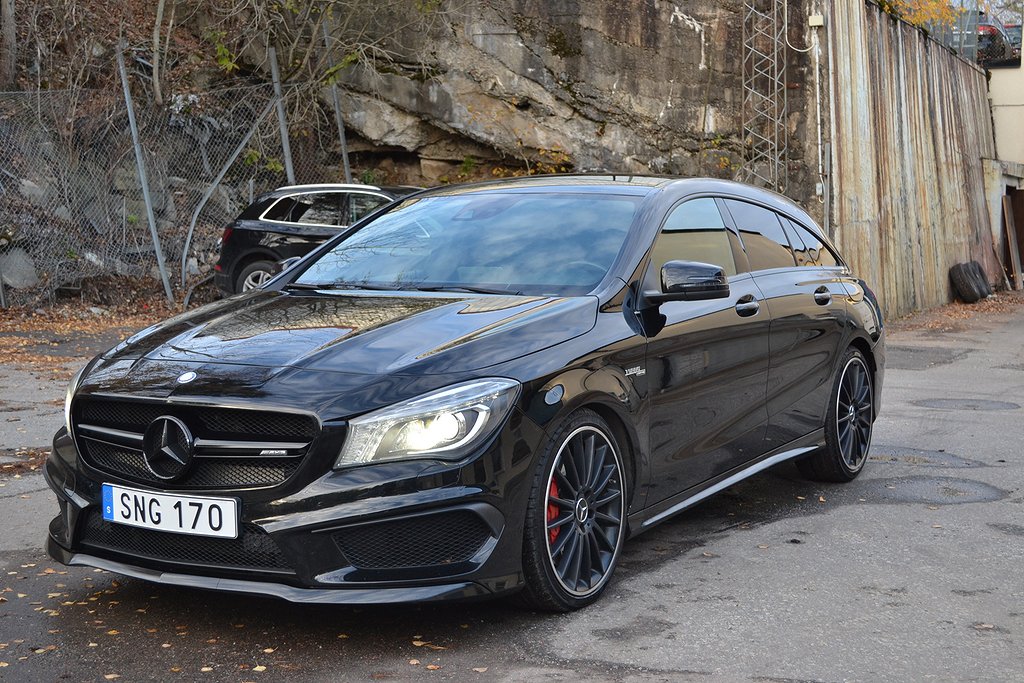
(848, 424)
(254, 275)
(574, 531)
(980, 279)
(965, 283)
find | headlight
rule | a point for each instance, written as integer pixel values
(70, 394)
(445, 424)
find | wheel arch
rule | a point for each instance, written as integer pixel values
(610, 394)
(867, 351)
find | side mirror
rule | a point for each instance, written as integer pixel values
(690, 281)
(281, 266)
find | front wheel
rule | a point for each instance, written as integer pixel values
(575, 522)
(848, 424)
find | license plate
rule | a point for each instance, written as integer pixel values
(194, 515)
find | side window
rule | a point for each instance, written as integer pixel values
(695, 231)
(310, 209)
(317, 209)
(763, 238)
(361, 204)
(804, 254)
(820, 254)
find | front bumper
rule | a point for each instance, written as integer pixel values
(353, 596)
(401, 532)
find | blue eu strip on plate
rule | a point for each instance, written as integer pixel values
(108, 502)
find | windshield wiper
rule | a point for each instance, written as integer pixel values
(340, 285)
(466, 288)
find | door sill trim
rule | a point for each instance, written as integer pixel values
(750, 471)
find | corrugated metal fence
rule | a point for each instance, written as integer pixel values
(910, 124)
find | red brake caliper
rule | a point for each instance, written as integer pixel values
(553, 512)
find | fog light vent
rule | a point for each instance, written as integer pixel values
(424, 541)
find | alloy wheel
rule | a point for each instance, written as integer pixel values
(584, 509)
(255, 279)
(854, 414)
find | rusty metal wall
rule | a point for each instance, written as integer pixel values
(910, 124)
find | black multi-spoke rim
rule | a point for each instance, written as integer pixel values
(583, 511)
(853, 414)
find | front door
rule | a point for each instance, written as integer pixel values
(707, 368)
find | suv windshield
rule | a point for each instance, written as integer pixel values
(557, 244)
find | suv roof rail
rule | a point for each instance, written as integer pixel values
(340, 186)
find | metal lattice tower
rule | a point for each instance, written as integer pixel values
(764, 93)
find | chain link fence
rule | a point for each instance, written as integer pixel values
(71, 202)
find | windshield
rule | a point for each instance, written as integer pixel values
(556, 244)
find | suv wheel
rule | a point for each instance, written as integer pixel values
(254, 275)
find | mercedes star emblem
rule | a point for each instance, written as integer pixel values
(167, 447)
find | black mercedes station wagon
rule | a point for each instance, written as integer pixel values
(483, 389)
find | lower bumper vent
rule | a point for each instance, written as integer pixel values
(428, 540)
(253, 549)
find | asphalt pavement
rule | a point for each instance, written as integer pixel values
(913, 572)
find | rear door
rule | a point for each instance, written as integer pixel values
(807, 301)
(707, 369)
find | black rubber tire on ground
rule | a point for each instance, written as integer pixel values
(965, 282)
(251, 270)
(544, 589)
(849, 406)
(984, 286)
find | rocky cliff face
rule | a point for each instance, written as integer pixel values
(623, 85)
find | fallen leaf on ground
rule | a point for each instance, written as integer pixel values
(984, 627)
(821, 499)
(113, 632)
(111, 677)
(414, 662)
(206, 669)
(268, 650)
(259, 667)
(479, 669)
(433, 667)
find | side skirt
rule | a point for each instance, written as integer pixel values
(648, 518)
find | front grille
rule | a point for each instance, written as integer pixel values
(424, 541)
(253, 549)
(211, 468)
(136, 416)
(205, 473)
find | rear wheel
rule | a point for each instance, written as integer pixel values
(254, 275)
(575, 522)
(848, 424)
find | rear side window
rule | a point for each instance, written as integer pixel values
(817, 253)
(763, 238)
(309, 209)
(362, 204)
(695, 231)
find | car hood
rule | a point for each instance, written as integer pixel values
(362, 333)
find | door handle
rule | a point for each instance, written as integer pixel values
(822, 296)
(747, 306)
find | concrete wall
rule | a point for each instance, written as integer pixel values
(1006, 89)
(910, 125)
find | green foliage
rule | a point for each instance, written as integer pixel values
(251, 157)
(368, 177)
(224, 57)
(468, 166)
(427, 6)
